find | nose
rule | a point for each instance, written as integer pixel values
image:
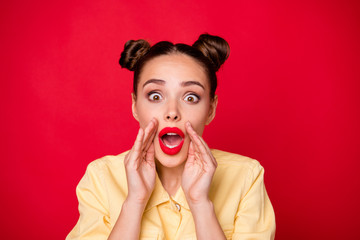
(172, 113)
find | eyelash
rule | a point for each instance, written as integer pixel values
(195, 96)
(152, 94)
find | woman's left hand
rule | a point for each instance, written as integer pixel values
(199, 169)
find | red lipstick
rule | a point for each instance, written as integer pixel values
(171, 140)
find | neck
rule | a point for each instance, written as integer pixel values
(170, 177)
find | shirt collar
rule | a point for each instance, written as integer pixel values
(159, 196)
(181, 199)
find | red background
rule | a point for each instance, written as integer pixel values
(288, 96)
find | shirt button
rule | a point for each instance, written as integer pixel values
(177, 206)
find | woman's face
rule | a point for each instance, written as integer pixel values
(173, 89)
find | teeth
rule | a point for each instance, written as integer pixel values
(170, 146)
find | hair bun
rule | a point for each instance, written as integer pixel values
(215, 48)
(133, 51)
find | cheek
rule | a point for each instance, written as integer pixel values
(197, 118)
(145, 114)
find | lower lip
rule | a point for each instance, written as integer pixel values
(170, 151)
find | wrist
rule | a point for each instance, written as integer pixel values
(197, 200)
(204, 217)
(201, 206)
(134, 203)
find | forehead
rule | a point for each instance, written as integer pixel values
(174, 67)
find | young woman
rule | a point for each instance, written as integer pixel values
(170, 185)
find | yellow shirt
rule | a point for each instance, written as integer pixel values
(240, 201)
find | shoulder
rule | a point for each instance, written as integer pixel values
(237, 168)
(107, 172)
(108, 163)
(227, 159)
(234, 176)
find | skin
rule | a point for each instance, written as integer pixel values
(173, 91)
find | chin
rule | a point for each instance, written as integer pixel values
(171, 161)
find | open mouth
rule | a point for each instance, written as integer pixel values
(171, 140)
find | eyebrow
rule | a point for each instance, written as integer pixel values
(156, 81)
(189, 83)
(183, 84)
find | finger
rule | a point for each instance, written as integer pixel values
(191, 153)
(209, 151)
(149, 141)
(150, 131)
(138, 141)
(152, 136)
(150, 155)
(135, 152)
(203, 149)
(205, 144)
(196, 139)
(197, 156)
(191, 149)
(192, 135)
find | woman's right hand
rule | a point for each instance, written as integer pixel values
(140, 165)
(140, 173)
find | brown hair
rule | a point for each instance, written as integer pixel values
(209, 51)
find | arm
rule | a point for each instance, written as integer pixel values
(255, 218)
(206, 222)
(94, 220)
(128, 224)
(197, 176)
(140, 173)
(94, 216)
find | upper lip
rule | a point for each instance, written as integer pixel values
(171, 130)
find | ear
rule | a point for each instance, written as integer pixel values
(133, 106)
(212, 110)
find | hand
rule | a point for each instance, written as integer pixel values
(199, 169)
(140, 165)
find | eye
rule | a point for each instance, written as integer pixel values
(192, 98)
(154, 96)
